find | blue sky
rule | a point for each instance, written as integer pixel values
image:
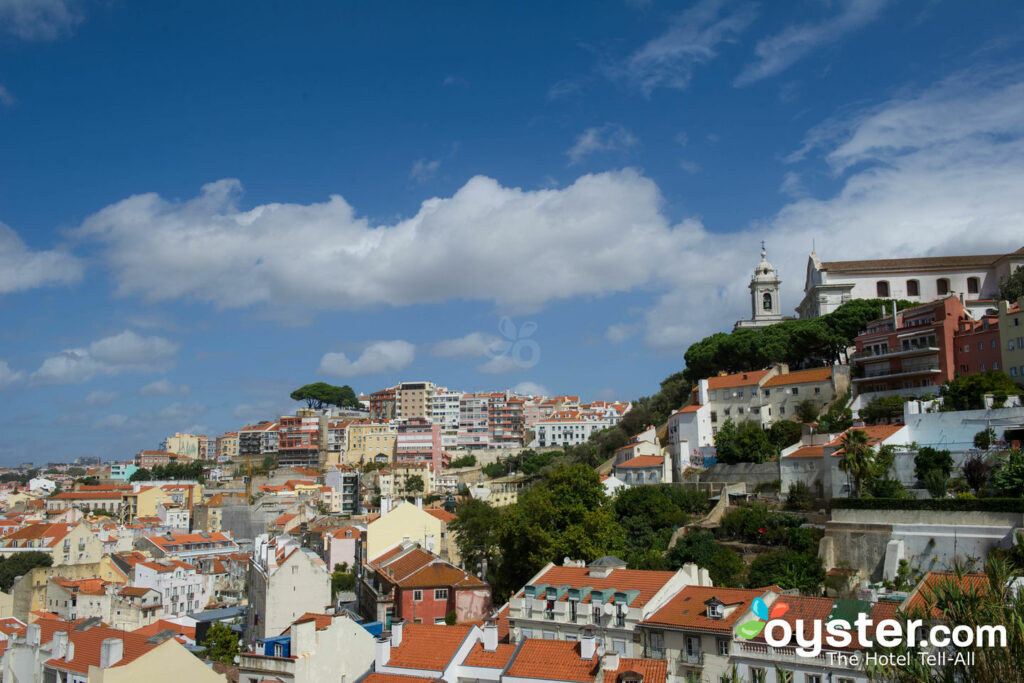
(203, 208)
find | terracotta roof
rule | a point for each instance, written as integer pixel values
(931, 587)
(687, 609)
(692, 408)
(807, 452)
(88, 643)
(322, 620)
(806, 609)
(184, 539)
(490, 660)
(11, 626)
(135, 591)
(643, 461)
(740, 379)
(393, 678)
(83, 586)
(652, 670)
(439, 574)
(800, 377)
(88, 495)
(921, 263)
(876, 434)
(553, 660)
(443, 515)
(400, 562)
(426, 646)
(648, 582)
(164, 625)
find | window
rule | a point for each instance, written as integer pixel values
(981, 346)
(766, 301)
(972, 285)
(714, 416)
(619, 646)
(440, 593)
(739, 393)
(782, 410)
(417, 595)
(549, 609)
(549, 635)
(817, 390)
(758, 675)
(783, 676)
(942, 286)
(572, 610)
(1013, 371)
(692, 646)
(767, 393)
(844, 679)
(723, 646)
(812, 678)
(796, 390)
(657, 645)
(620, 616)
(882, 289)
(913, 288)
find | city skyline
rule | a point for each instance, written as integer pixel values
(251, 203)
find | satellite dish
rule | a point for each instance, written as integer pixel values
(608, 609)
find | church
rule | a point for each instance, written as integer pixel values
(765, 303)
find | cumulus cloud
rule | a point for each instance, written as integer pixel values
(176, 416)
(620, 332)
(473, 345)
(499, 365)
(610, 137)
(162, 387)
(9, 376)
(39, 19)
(530, 389)
(6, 98)
(380, 356)
(124, 352)
(22, 268)
(693, 39)
(777, 53)
(100, 398)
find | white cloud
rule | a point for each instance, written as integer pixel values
(530, 389)
(610, 137)
(792, 185)
(178, 417)
(424, 171)
(473, 345)
(39, 19)
(8, 376)
(499, 365)
(692, 40)
(620, 332)
(113, 421)
(162, 387)
(380, 356)
(777, 53)
(6, 98)
(21, 268)
(124, 352)
(100, 398)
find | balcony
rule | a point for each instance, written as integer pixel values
(929, 369)
(862, 357)
(784, 654)
(690, 660)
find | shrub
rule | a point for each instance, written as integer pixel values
(726, 568)
(928, 459)
(799, 496)
(803, 539)
(464, 461)
(985, 438)
(787, 569)
(977, 469)
(887, 488)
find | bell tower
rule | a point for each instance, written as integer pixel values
(765, 305)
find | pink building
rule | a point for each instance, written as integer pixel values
(419, 441)
(977, 345)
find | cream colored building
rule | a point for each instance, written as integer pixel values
(183, 444)
(227, 445)
(414, 399)
(66, 544)
(394, 481)
(29, 591)
(156, 665)
(322, 647)
(1011, 339)
(285, 582)
(408, 522)
(370, 442)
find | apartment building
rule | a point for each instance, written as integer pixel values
(976, 345)
(505, 423)
(336, 433)
(189, 546)
(418, 440)
(830, 284)
(227, 446)
(370, 441)
(444, 410)
(258, 440)
(299, 439)
(413, 400)
(182, 444)
(345, 481)
(1011, 338)
(394, 481)
(474, 414)
(148, 459)
(285, 582)
(64, 543)
(570, 427)
(384, 404)
(315, 648)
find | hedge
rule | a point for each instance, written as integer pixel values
(937, 504)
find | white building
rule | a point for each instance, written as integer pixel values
(571, 427)
(285, 582)
(444, 410)
(182, 588)
(765, 304)
(830, 284)
(42, 484)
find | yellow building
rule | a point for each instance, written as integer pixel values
(369, 442)
(142, 503)
(182, 444)
(394, 481)
(29, 591)
(407, 522)
(1011, 339)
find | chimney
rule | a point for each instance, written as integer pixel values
(303, 638)
(588, 643)
(396, 632)
(490, 636)
(610, 661)
(385, 506)
(60, 644)
(419, 502)
(33, 634)
(111, 652)
(382, 654)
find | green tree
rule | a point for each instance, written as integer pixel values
(930, 459)
(414, 484)
(75, 471)
(494, 470)
(141, 474)
(936, 482)
(800, 496)
(1008, 474)
(341, 580)
(13, 566)
(985, 438)
(320, 395)
(464, 461)
(221, 643)
(857, 457)
(977, 469)
(807, 411)
(883, 409)
(726, 568)
(784, 433)
(474, 530)
(1012, 288)
(697, 547)
(744, 443)
(968, 393)
(787, 569)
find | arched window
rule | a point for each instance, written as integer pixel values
(913, 288)
(942, 286)
(766, 301)
(973, 285)
(882, 289)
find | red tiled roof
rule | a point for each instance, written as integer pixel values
(805, 609)
(643, 461)
(648, 582)
(876, 434)
(11, 626)
(800, 377)
(164, 625)
(687, 609)
(807, 452)
(427, 646)
(740, 379)
(393, 678)
(490, 660)
(553, 660)
(932, 586)
(439, 574)
(919, 263)
(88, 643)
(443, 515)
(651, 670)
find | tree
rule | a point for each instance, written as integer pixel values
(784, 433)
(1008, 474)
(464, 461)
(837, 419)
(787, 569)
(882, 409)
(697, 547)
(985, 438)
(341, 580)
(649, 515)
(13, 566)
(320, 395)
(1012, 288)
(744, 443)
(726, 568)
(494, 470)
(75, 471)
(141, 474)
(799, 496)
(936, 482)
(807, 411)
(977, 469)
(414, 484)
(451, 618)
(930, 459)
(857, 457)
(968, 393)
(221, 643)
(474, 530)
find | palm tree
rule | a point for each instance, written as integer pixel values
(857, 457)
